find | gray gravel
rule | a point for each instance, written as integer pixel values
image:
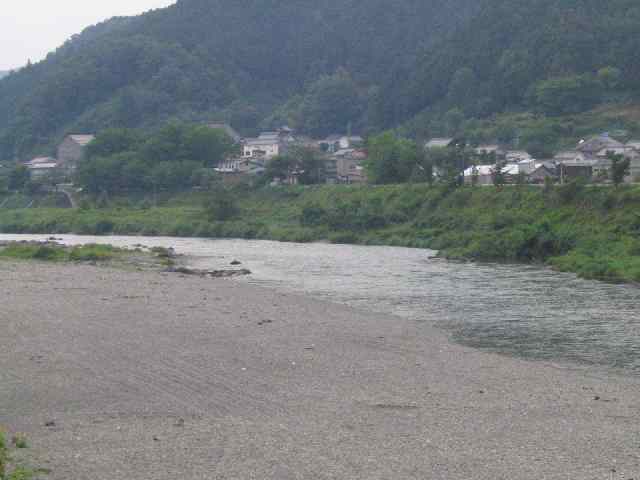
(157, 376)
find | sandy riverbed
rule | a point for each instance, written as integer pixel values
(155, 376)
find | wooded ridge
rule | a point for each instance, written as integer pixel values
(326, 65)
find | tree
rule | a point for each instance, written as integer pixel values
(207, 145)
(610, 77)
(172, 158)
(391, 159)
(498, 176)
(475, 176)
(565, 95)
(19, 178)
(620, 168)
(330, 104)
(451, 162)
(463, 87)
(221, 205)
(112, 141)
(302, 161)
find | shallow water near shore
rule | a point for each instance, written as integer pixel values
(519, 310)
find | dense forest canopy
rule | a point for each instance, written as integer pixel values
(325, 66)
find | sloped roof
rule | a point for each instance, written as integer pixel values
(482, 170)
(40, 161)
(595, 144)
(262, 141)
(42, 166)
(438, 143)
(82, 139)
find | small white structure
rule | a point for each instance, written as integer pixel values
(267, 145)
(334, 143)
(489, 149)
(242, 166)
(479, 174)
(438, 143)
(516, 156)
(42, 167)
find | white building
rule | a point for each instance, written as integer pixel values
(334, 143)
(42, 167)
(267, 145)
(438, 143)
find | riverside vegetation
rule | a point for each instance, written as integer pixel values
(592, 231)
(8, 469)
(156, 258)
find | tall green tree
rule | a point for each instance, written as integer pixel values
(19, 178)
(391, 159)
(620, 168)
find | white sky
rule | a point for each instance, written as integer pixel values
(29, 29)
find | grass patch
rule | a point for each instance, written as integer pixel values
(8, 470)
(58, 253)
(20, 441)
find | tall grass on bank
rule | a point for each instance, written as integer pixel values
(592, 231)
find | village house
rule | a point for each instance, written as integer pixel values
(574, 164)
(237, 170)
(71, 150)
(268, 144)
(479, 175)
(241, 166)
(490, 149)
(333, 143)
(42, 167)
(532, 172)
(349, 168)
(591, 159)
(517, 156)
(540, 174)
(634, 146)
(598, 144)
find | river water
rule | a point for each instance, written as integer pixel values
(518, 310)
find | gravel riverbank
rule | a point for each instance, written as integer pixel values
(147, 375)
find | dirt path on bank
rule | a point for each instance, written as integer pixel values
(155, 376)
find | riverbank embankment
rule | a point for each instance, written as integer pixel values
(150, 375)
(591, 231)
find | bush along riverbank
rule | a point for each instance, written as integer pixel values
(592, 231)
(50, 251)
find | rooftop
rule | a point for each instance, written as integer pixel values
(82, 139)
(438, 143)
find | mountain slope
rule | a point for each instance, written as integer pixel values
(370, 63)
(201, 59)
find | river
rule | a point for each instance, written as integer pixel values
(519, 310)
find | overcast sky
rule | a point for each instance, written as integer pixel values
(29, 29)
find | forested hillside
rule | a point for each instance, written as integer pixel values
(326, 64)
